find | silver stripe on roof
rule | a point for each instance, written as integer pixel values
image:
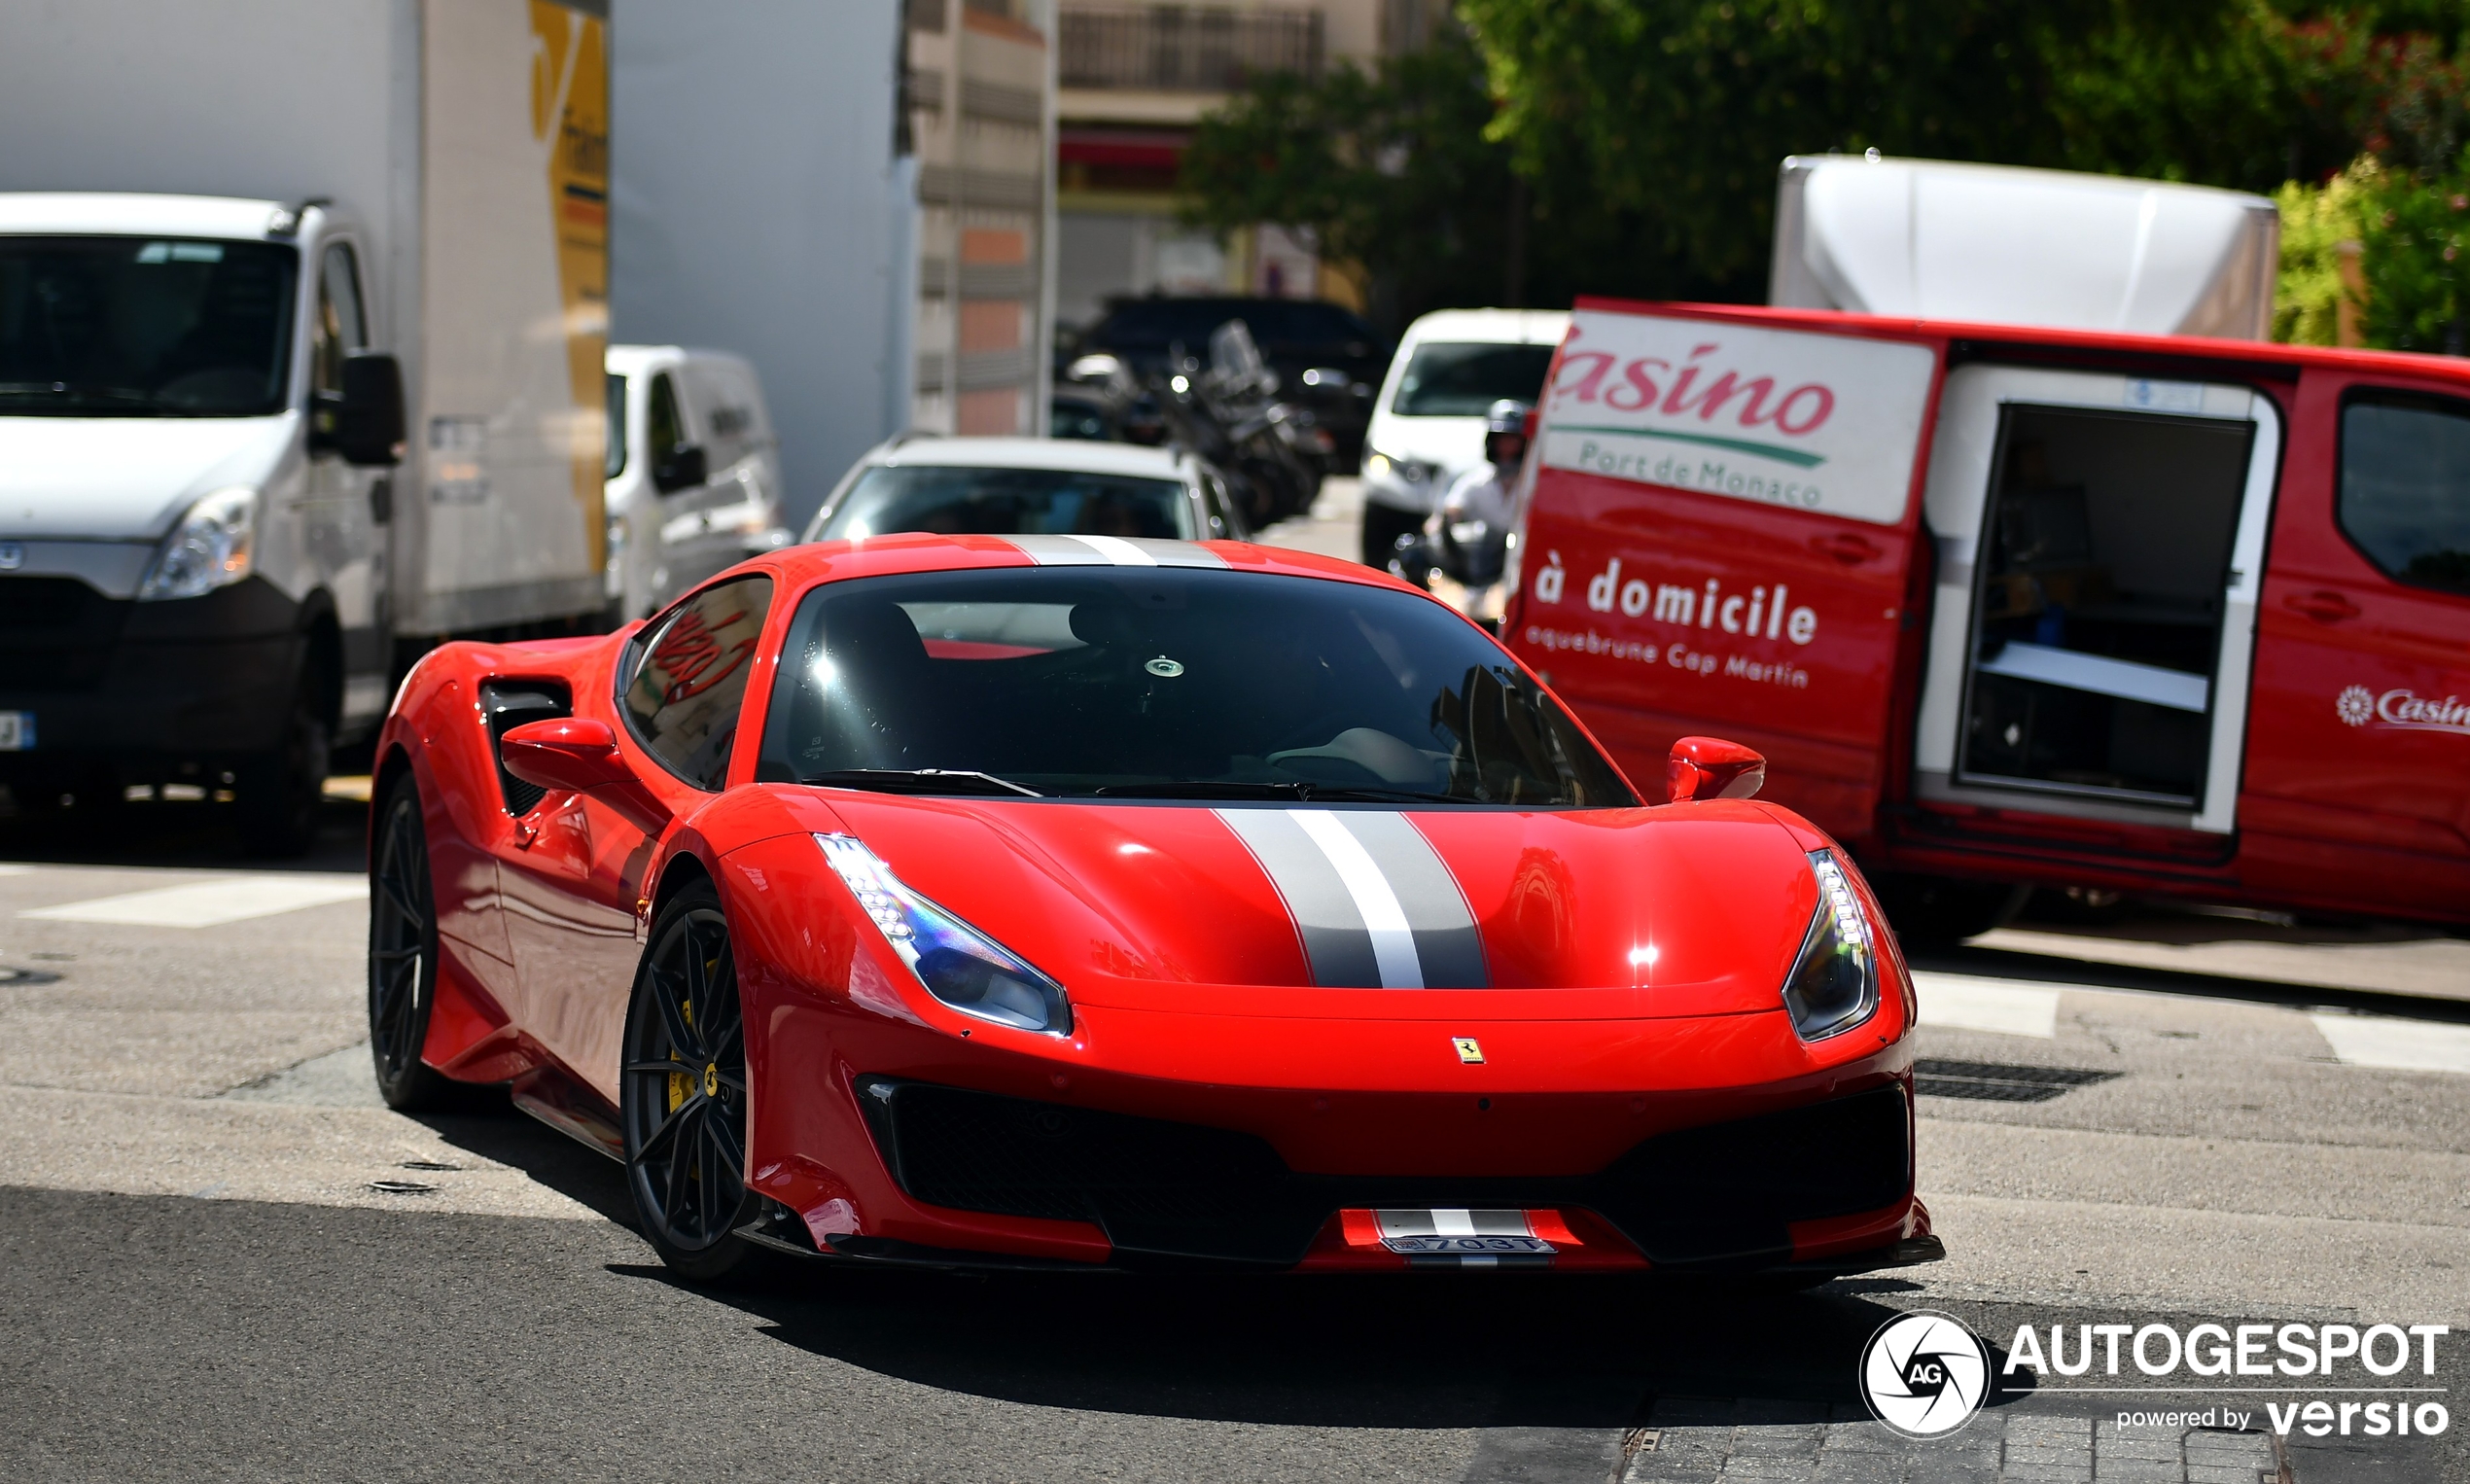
(1113, 552)
(1370, 895)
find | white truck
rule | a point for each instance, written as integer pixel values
(302, 307)
(1998, 244)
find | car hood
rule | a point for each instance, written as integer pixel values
(126, 478)
(1453, 444)
(1678, 910)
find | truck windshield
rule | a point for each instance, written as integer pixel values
(139, 327)
(1165, 684)
(1457, 379)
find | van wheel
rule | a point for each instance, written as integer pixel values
(283, 791)
(1940, 911)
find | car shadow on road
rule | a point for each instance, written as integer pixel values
(181, 835)
(483, 1124)
(1409, 1350)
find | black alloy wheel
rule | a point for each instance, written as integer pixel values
(683, 1096)
(402, 953)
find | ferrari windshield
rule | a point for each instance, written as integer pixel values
(1164, 683)
(138, 327)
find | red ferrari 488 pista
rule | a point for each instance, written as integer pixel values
(1074, 900)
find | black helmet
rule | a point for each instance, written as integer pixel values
(1508, 415)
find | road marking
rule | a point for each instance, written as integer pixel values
(2403, 1046)
(1961, 1001)
(211, 903)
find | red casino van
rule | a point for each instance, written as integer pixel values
(2007, 607)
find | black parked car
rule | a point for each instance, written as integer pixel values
(1327, 357)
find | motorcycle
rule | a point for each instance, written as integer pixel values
(1228, 412)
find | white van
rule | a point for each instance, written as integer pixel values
(302, 313)
(694, 472)
(1428, 424)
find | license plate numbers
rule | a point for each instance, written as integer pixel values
(1466, 1247)
(16, 731)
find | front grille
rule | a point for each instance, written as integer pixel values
(1172, 1189)
(56, 633)
(2000, 1082)
(1722, 1195)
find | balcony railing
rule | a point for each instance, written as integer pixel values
(1186, 49)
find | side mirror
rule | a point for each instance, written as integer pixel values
(576, 754)
(683, 468)
(1708, 767)
(565, 753)
(369, 423)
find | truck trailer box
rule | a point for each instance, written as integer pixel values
(211, 216)
(2006, 605)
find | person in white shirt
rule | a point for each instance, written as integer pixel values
(1468, 536)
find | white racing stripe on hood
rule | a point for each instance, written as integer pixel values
(1113, 552)
(1383, 920)
(1372, 901)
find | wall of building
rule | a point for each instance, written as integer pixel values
(759, 205)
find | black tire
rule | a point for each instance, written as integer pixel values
(402, 955)
(682, 1093)
(282, 794)
(1939, 911)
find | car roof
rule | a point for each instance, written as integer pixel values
(1066, 455)
(136, 214)
(1499, 327)
(634, 360)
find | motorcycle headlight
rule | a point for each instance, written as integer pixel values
(1833, 985)
(958, 965)
(210, 547)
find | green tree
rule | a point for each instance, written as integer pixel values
(2414, 232)
(1681, 109)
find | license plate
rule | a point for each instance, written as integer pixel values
(1460, 1233)
(1467, 1246)
(16, 731)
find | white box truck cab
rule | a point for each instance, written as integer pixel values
(695, 473)
(301, 321)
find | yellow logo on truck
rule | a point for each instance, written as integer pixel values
(569, 116)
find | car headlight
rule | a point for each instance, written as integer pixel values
(1833, 985)
(958, 965)
(210, 547)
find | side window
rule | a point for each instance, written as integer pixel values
(2406, 488)
(665, 429)
(616, 456)
(342, 325)
(683, 697)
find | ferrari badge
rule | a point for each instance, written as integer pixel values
(1467, 1052)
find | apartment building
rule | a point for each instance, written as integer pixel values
(1132, 81)
(979, 84)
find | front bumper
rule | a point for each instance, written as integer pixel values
(1725, 1195)
(132, 688)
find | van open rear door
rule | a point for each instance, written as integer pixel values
(1720, 541)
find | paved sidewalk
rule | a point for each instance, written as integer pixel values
(1702, 1440)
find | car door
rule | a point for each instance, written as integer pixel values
(571, 892)
(344, 508)
(2358, 775)
(1720, 541)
